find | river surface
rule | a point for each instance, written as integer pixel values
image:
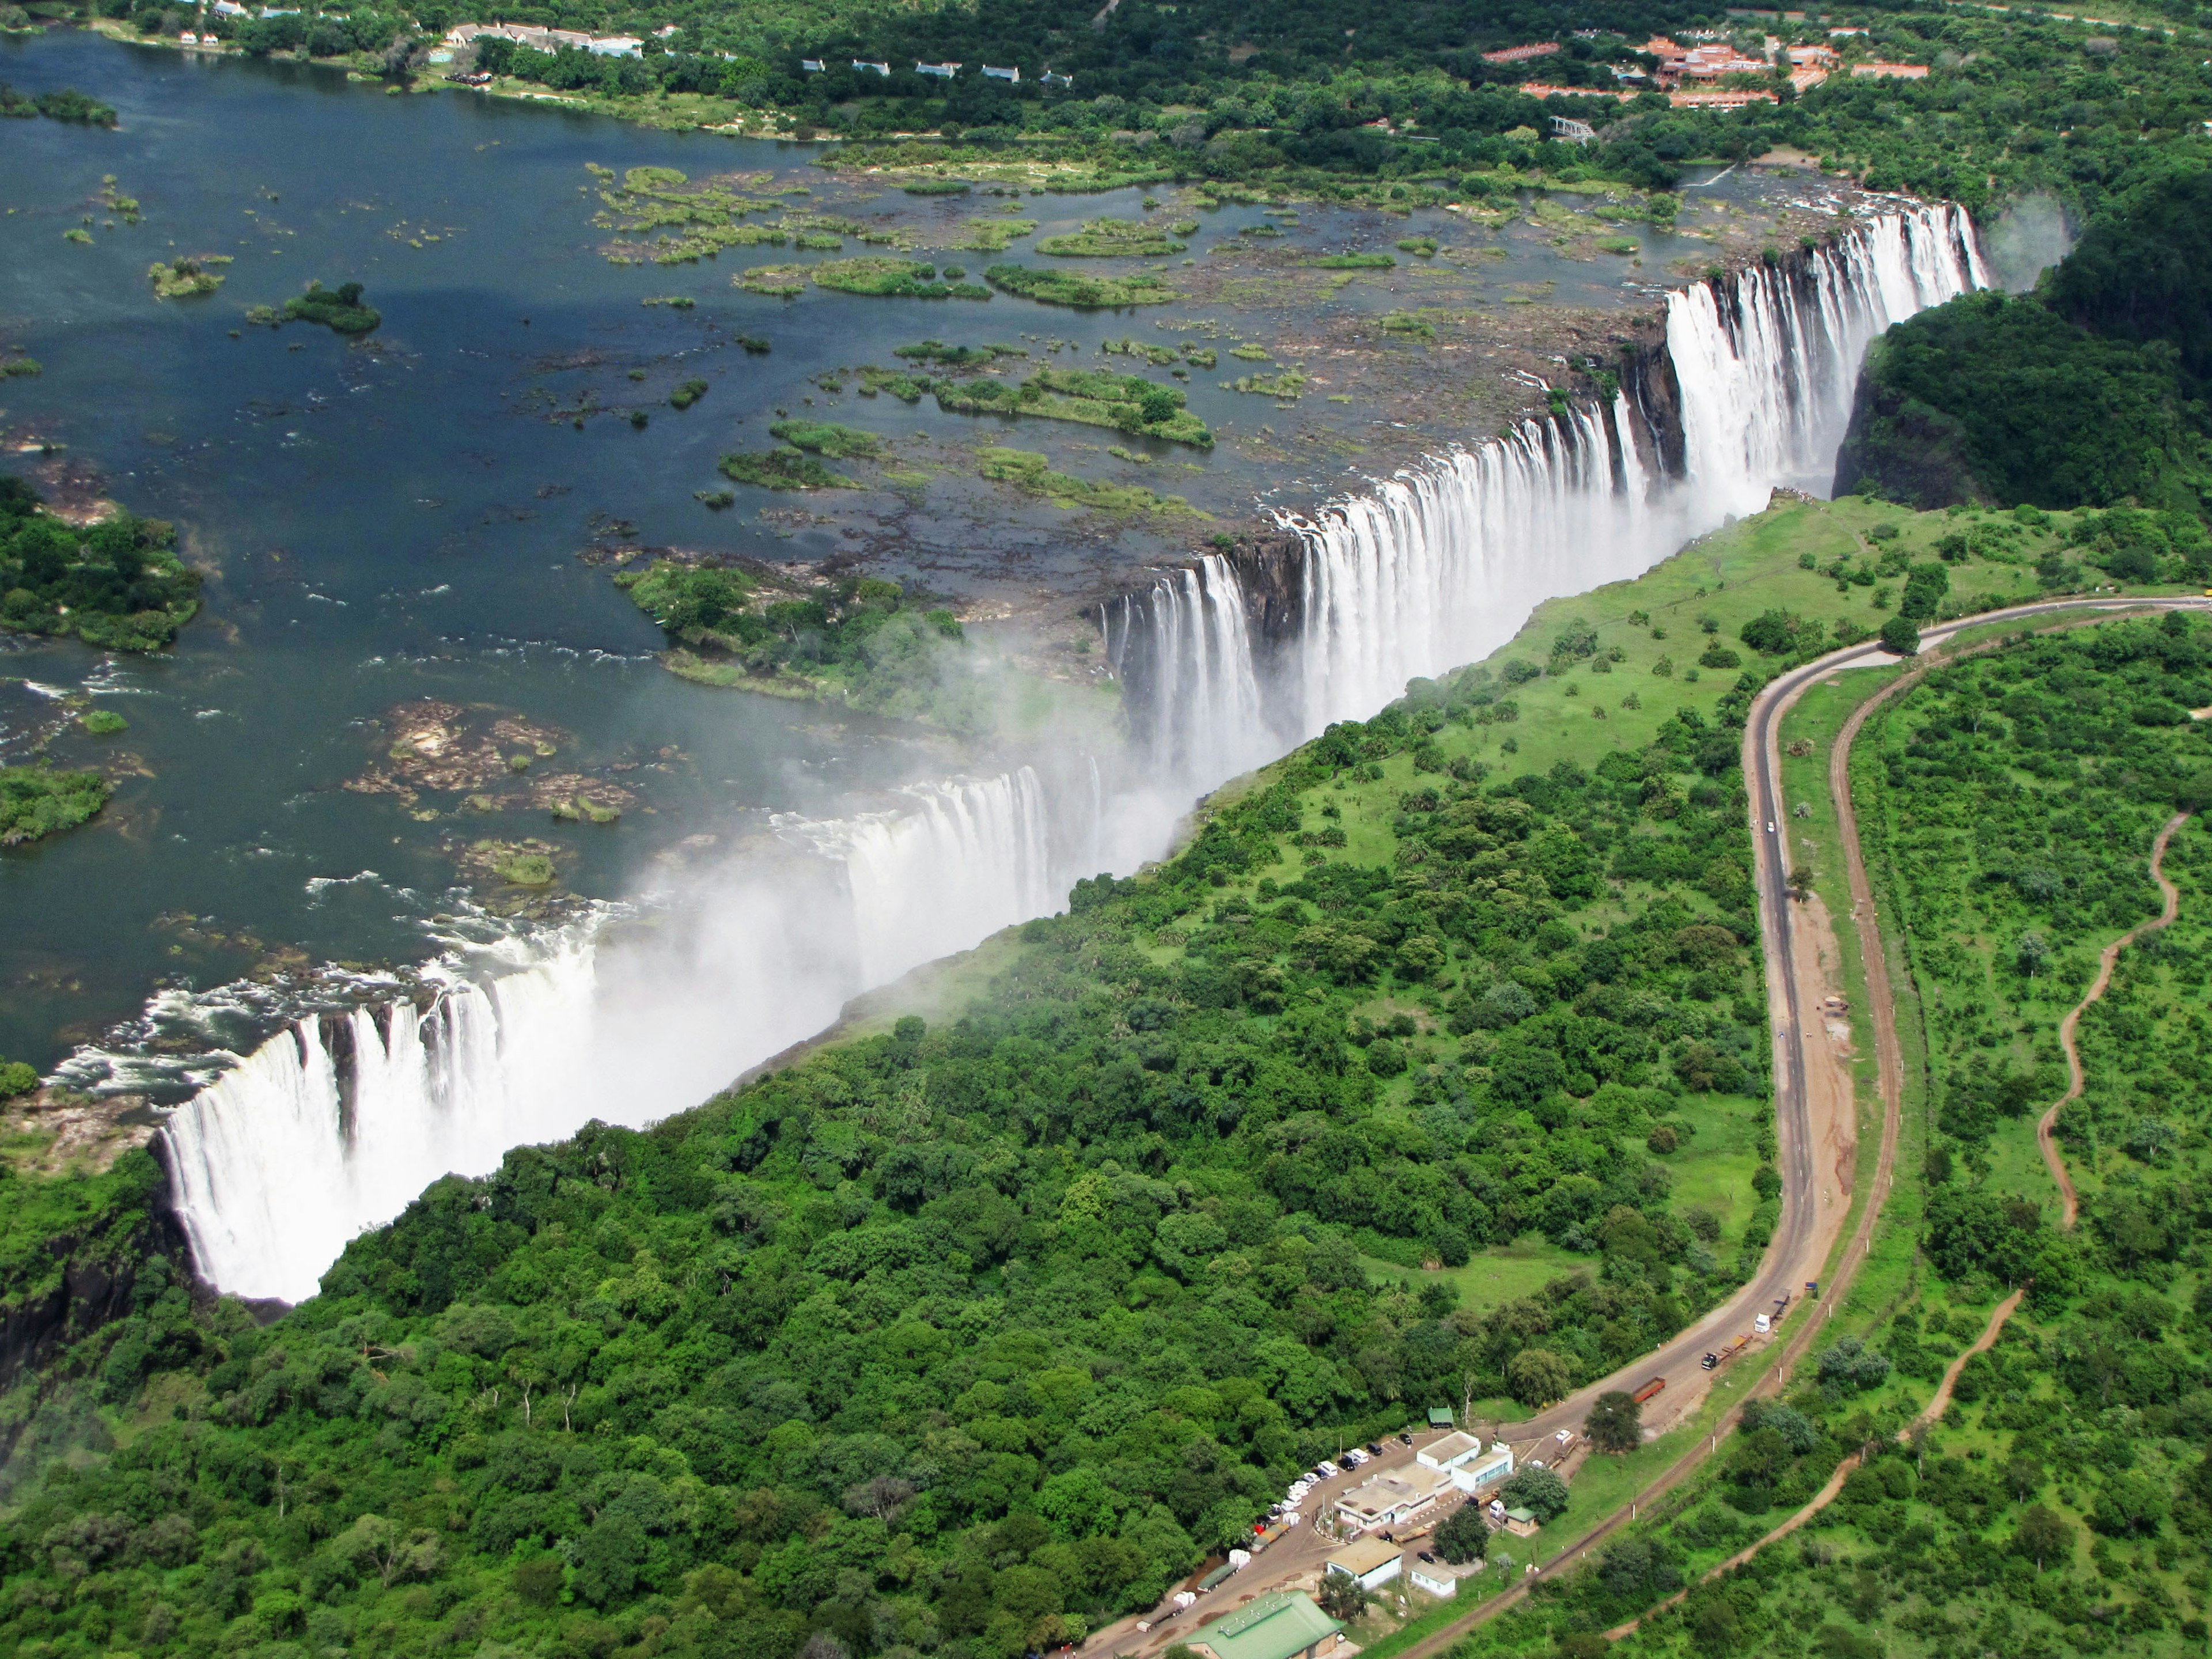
(400, 519)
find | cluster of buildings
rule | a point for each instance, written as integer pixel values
(542, 39)
(1690, 76)
(1291, 1624)
(936, 71)
(630, 45)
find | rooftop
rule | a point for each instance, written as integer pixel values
(1277, 1626)
(1363, 1557)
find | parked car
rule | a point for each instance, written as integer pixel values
(1354, 1458)
(1405, 1439)
(1373, 1450)
(1425, 1555)
(1329, 1471)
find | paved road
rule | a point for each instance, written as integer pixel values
(1791, 1258)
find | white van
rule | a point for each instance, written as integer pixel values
(1762, 1324)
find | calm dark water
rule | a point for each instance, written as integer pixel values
(401, 520)
(381, 526)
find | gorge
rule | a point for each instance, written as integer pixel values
(335, 1123)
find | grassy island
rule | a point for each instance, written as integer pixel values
(37, 801)
(1126, 403)
(1064, 288)
(860, 642)
(1112, 239)
(339, 309)
(187, 278)
(117, 584)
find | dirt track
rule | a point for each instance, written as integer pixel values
(2046, 1126)
(1779, 941)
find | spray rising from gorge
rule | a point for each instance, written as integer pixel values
(336, 1122)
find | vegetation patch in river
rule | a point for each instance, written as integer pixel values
(36, 801)
(1064, 288)
(339, 309)
(1033, 475)
(839, 443)
(784, 468)
(187, 278)
(1125, 403)
(1113, 238)
(64, 104)
(859, 641)
(991, 235)
(886, 276)
(117, 585)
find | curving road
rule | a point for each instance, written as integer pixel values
(1799, 1251)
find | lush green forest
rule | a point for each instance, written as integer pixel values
(2064, 1505)
(116, 584)
(2087, 392)
(963, 1337)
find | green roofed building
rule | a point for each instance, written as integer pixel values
(1440, 1417)
(1282, 1625)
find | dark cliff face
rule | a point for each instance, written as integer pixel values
(1912, 451)
(1654, 400)
(1272, 570)
(99, 1266)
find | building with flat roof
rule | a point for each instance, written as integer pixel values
(1464, 1458)
(1388, 1499)
(1281, 1625)
(1440, 1578)
(1370, 1560)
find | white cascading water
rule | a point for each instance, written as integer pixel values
(1767, 370)
(1202, 719)
(335, 1124)
(1438, 565)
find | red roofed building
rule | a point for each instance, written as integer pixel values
(1522, 54)
(1727, 99)
(1892, 71)
(1541, 89)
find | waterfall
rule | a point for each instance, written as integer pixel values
(1767, 361)
(1198, 713)
(1428, 568)
(1439, 566)
(336, 1123)
(972, 859)
(338, 1120)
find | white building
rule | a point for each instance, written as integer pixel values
(942, 71)
(1002, 74)
(1370, 1561)
(1388, 1499)
(1461, 1456)
(884, 69)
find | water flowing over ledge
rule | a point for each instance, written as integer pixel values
(336, 1123)
(1438, 565)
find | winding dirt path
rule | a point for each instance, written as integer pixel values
(1929, 1414)
(2046, 1126)
(1762, 768)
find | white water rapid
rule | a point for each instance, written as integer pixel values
(335, 1124)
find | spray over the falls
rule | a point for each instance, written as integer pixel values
(337, 1121)
(333, 1125)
